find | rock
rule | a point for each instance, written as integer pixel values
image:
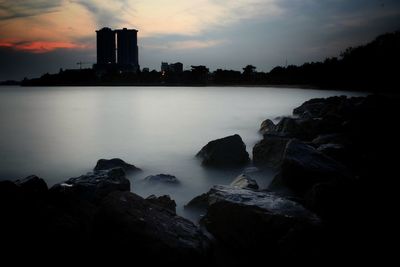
(334, 151)
(224, 152)
(107, 164)
(162, 178)
(32, 184)
(334, 138)
(267, 126)
(148, 232)
(303, 167)
(163, 201)
(248, 221)
(94, 186)
(303, 128)
(244, 182)
(319, 107)
(199, 203)
(269, 151)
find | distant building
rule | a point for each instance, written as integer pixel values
(127, 49)
(117, 50)
(174, 67)
(105, 46)
(164, 66)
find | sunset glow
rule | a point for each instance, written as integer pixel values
(216, 33)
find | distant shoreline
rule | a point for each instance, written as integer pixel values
(288, 86)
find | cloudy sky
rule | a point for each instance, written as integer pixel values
(38, 36)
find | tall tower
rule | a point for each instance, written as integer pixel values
(127, 49)
(105, 46)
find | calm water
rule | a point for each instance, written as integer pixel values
(61, 132)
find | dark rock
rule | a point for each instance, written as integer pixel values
(334, 138)
(335, 151)
(267, 126)
(303, 167)
(248, 221)
(162, 178)
(32, 184)
(148, 232)
(301, 128)
(199, 203)
(244, 182)
(107, 164)
(319, 107)
(163, 201)
(270, 151)
(224, 152)
(94, 185)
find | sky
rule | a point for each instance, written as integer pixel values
(40, 36)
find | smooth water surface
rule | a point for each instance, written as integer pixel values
(60, 132)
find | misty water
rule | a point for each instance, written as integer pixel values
(60, 132)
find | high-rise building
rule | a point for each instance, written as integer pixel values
(105, 46)
(127, 49)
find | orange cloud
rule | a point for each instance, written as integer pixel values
(39, 46)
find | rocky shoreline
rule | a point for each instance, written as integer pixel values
(317, 206)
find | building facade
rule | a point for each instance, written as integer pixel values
(105, 39)
(117, 50)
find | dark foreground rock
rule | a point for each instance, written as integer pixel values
(249, 222)
(95, 214)
(164, 201)
(270, 151)
(94, 185)
(107, 164)
(225, 152)
(151, 232)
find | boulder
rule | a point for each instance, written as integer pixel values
(267, 126)
(244, 182)
(319, 107)
(303, 167)
(95, 185)
(32, 184)
(162, 178)
(107, 164)
(300, 128)
(333, 138)
(247, 221)
(224, 152)
(163, 201)
(269, 151)
(147, 232)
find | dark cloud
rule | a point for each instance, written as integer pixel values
(27, 8)
(18, 64)
(105, 16)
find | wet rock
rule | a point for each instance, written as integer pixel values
(32, 184)
(267, 126)
(162, 178)
(163, 201)
(199, 203)
(303, 167)
(224, 152)
(107, 164)
(333, 138)
(300, 128)
(319, 107)
(149, 232)
(94, 185)
(248, 221)
(244, 182)
(270, 151)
